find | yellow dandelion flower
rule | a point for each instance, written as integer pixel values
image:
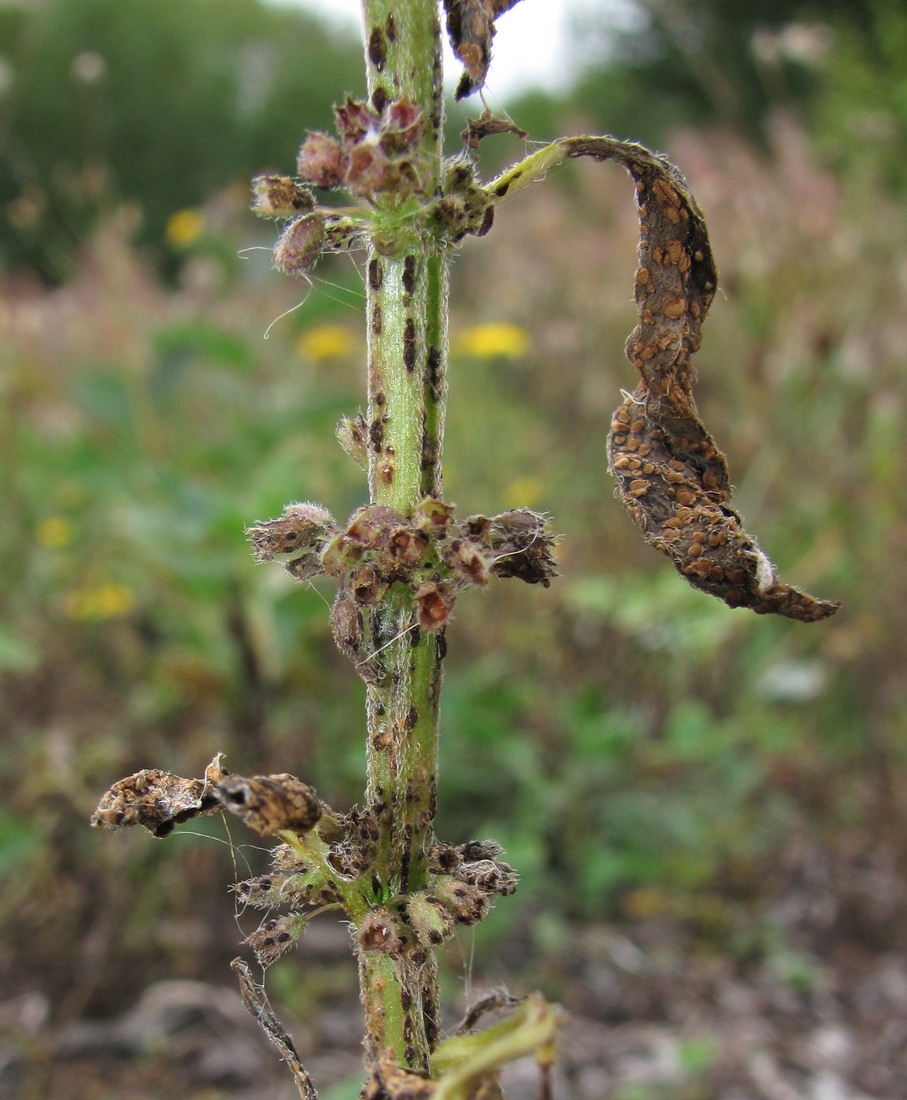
(97, 602)
(523, 492)
(54, 532)
(495, 340)
(324, 343)
(185, 227)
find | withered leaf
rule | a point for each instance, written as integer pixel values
(485, 126)
(470, 27)
(159, 800)
(671, 477)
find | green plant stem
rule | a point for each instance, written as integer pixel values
(406, 288)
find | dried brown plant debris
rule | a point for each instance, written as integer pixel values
(256, 1002)
(470, 27)
(487, 125)
(159, 800)
(671, 477)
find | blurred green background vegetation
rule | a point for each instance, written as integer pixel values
(641, 750)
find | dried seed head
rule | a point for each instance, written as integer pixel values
(297, 539)
(443, 859)
(355, 119)
(280, 197)
(522, 547)
(434, 602)
(299, 246)
(321, 160)
(271, 803)
(365, 586)
(380, 931)
(407, 546)
(474, 850)
(469, 563)
(434, 516)
(469, 904)
(431, 920)
(352, 433)
(275, 937)
(262, 892)
(370, 526)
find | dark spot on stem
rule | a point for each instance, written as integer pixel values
(377, 48)
(380, 99)
(404, 863)
(412, 718)
(379, 399)
(390, 29)
(376, 434)
(409, 274)
(375, 273)
(406, 999)
(502, 189)
(434, 372)
(376, 321)
(409, 345)
(432, 1034)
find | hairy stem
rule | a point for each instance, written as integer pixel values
(406, 288)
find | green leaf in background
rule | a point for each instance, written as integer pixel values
(19, 840)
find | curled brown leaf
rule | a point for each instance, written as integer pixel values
(671, 477)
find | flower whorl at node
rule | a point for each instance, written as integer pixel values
(431, 554)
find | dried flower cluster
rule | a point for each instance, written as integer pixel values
(431, 554)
